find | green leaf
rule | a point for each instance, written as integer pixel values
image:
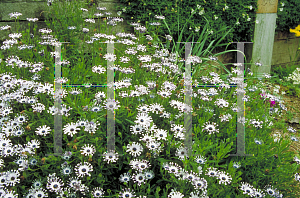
(131, 122)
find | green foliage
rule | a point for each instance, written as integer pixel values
(236, 11)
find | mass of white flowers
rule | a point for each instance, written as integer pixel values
(295, 76)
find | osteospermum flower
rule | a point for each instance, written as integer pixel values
(153, 145)
(257, 141)
(258, 193)
(221, 103)
(40, 192)
(257, 124)
(143, 164)
(38, 107)
(88, 150)
(200, 159)
(175, 194)
(134, 164)
(161, 134)
(236, 164)
(293, 138)
(71, 129)
(110, 57)
(66, 169)
(110, 156)
(149, 174)
(211, 128)
(147, 138)
(297, 177)
(127, 193)
(98, 69)
(98, 192)
(136, 129)
(156, 108)
(247, 189)
(139, 178)
(111, 104)
(54, 184)
(224, 178)
(291, 129)
(190, 176)
(271, 191)
(200, 184)
(173, 168)
(83, 169)
(125, 177)
(212, 172)
(182, 152)
(12, 177)
(135, 149)
(143, 119)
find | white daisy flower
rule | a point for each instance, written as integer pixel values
(181, 152)
(139, 178)
(98, 192)
(211, 128)
(161, 134)
(190, 176)
(258, 193)
(236, 164)
(271, 191)
(2, 163)
(221, 103)
(297, 160)
(88, 150)
(127, 193)
(136, 129)
(149, 174)
(54, 184)
(294, 138)
(71, 129)
(257, 124)
(143, 164)
(175, 194)
(110, 156)
(125, 177)
(83, 169)
(212, 172)
(297, 177)
(257, 141)
(110, 57)
(200, 184)
(111, 104)
(66, 170)
(135, 149)
(98, 69)
(224, 178)
(173, 168)
(291, 129)
(15, 14)
(200, 159)
(12, 177)
(143, 119)
(247, 189)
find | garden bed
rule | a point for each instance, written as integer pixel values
(150, 119)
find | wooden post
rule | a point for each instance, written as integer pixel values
(264, 37)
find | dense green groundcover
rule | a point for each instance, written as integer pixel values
(150, 158)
